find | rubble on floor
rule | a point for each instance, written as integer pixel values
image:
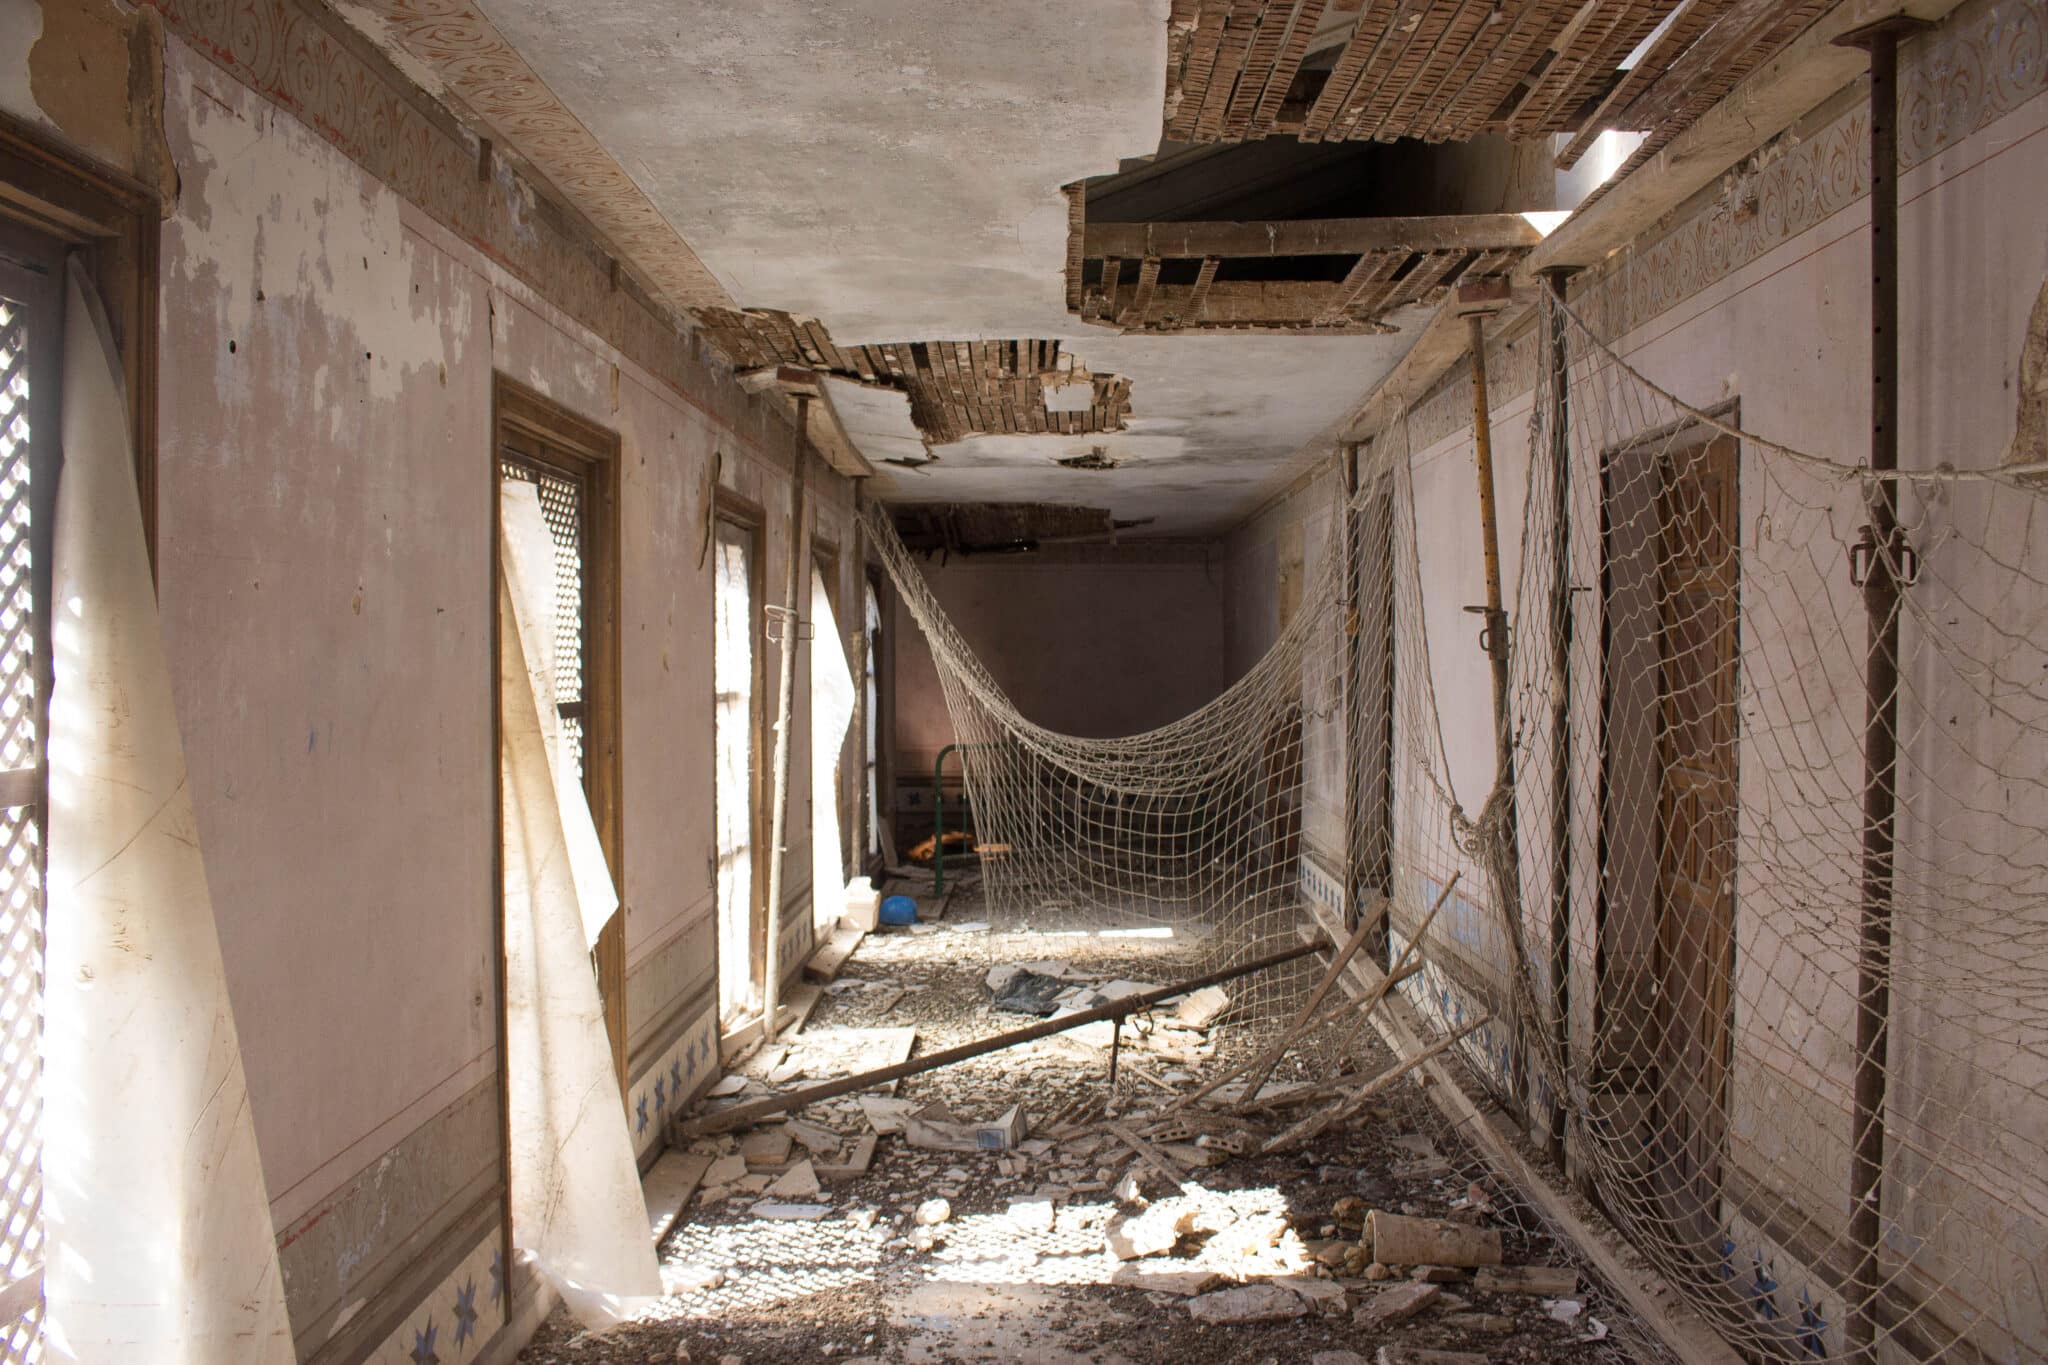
(1079, 1225)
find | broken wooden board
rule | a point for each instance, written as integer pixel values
(825, 964)
(790, 1017)
(1549, 1281)
(667, 1188)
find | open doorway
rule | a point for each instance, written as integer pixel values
(736, 723)
(572, 468)
(1667, 927)
(832, 707)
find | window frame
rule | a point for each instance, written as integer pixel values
(56, 205)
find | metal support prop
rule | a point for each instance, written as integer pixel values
(1503, 869)
(1560, 714)
(1881, 580)
(785, 708)
(863, 825)
(1354, 722)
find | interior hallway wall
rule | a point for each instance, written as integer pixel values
(337, 296)
(1758, 292)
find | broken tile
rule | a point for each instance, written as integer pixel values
(1398, 1304)
(1246, 1303)
(798, 1182)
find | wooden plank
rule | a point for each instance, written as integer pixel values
(667, 1188)
(1310, 236)
(826, 963)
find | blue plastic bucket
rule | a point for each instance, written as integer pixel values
(898, 910)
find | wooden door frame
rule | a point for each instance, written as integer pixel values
(116, 222)
(1685, 434)
(592, 453)
(750, 519)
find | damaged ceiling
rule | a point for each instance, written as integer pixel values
(895, 171)
(1144, 257)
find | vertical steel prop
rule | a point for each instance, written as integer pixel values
(1880, 564)
(1477, 302)
(785, 708)
(1559, 420)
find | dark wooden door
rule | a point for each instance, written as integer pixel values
(1697, 618)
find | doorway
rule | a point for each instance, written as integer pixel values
(572, 468)
(736, 720)
(1671, 585)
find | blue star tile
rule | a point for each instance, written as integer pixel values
(423, 1352)
(660, 1094)
(1812, 1327)
(497, 1275)
(642, 1106)
(675, 1078)
(465, 1312)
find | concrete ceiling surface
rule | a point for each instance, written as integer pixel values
(893, 168)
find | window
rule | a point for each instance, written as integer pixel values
(735, 665)
(573, 467)
(31, 271)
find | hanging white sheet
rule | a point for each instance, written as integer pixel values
(831, 714)
(577, 1209)
(157, 1219)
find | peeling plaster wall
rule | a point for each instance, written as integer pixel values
(326, 486)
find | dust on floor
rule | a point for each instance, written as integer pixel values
(1021, 1263)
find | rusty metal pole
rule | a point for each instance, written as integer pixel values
(771, 991)
(1559, 421)
(1878, 561)
(1479, 302)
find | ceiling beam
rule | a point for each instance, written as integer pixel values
(1308, 236)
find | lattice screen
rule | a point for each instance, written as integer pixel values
(21, 888)
(562, 504)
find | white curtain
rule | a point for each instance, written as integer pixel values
(156, 1215)
(831, 714)
(577, 1209)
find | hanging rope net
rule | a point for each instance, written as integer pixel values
(1758, 924)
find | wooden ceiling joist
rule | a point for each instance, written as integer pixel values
(1307, 236)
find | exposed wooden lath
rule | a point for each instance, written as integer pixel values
(1397, 262)
(1451, 70)
(957, 389)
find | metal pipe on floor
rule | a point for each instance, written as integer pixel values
(797, 553)
(1115, 1009)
